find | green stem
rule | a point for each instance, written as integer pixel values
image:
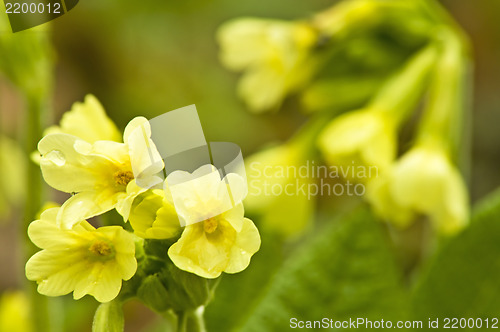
(442, 121)
(191, 321)
(400, 94)
(306, 136)
(439, 14)
(40, 311)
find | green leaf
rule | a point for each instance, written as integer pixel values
(462, 280)
(109, 318)
(237, 294)
(346, 271)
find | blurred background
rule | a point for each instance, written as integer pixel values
(149, 57)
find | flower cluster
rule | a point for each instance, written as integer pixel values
(84, 156)
(338, 63)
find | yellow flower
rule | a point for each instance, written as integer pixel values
(368, 137)
(87, 121)
(101, 174)
(273, 55)
(362, 138)
(219, 243)
(153, 217)
(82, 260)
(423, 181)
(275, 189)
(15, 312)
(349, 15)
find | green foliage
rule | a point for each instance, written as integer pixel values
(462, 279)
(346, 271)
(238, 294)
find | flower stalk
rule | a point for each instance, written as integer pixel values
(442, 122)
(191, 321)
(409, 83)
(37, 110)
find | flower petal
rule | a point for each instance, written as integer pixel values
(244, 42)
(117, 152)
(88, 121)
(66, 169)
(235, 217)
(55, 271)
(83, 206)
(247, 244)
(124, 204)
(127, 265)
(47, 235)
(196, 254)
(237, 187)
(262, 97)
(102, 281)
(144, 157)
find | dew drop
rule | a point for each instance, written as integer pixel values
(57, 157)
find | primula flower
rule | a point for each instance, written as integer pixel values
(361, 138)
(154, 217)
(87, 121)
(101, 174)
(82, 260)
(423, 181)
(273, 55)
(368, 137)
(221, 243)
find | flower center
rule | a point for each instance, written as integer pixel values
(122, 178)
(101, 248)
(210, 225)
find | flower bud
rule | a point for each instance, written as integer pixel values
(109, 318)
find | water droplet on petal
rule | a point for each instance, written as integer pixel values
(57, 157)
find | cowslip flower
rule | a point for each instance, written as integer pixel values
(101, 175)
(423, 181)
(274, 55)
(88, 121)
(368, 137)
(362, 138)
(223, 242)
(82, 260)
(153, 217)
